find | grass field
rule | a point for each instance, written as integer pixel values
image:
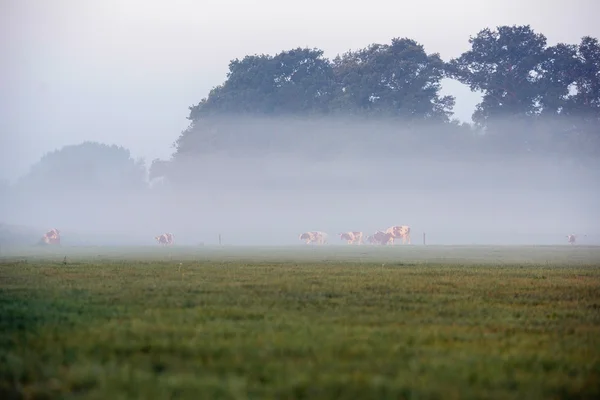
(409, 322)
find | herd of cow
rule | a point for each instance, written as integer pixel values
(356, 237)
(314, 237)
(353, 237)
(51, 237)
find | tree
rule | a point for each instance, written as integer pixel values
(395, 80)
(297, 81)
(399, 79)
(87, 166)
(581, 109)
(528, 87)
(506, 65)
(533, 96)
(558, 71)
(585, 102)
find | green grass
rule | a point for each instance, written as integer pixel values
(290, 323)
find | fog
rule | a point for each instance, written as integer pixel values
(263, 181)
(133, 67)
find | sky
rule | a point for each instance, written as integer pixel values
(125, 71)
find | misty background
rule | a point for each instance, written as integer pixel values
(93, 92)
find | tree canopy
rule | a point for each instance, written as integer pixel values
(291, 82)
(534, 96)
(384, 100)
(89, 166)
(520, 75)
(550, 90)
(399, 79)
(352, 129)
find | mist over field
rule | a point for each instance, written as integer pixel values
(159, 163)
(296, 142)
(277, 178)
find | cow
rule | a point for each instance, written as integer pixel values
(572, 238)
(166, 239)
(380, 237)
(371, 239)
(51, 237)
(399, 231)
(352, 237)
(314, 237)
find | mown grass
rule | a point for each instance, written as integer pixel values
(321, 326)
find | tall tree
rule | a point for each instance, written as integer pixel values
(586, 99)
(87, 166)
(399, 79)
(297, 81)
(506, 65)
(558, 71)
(582, 107)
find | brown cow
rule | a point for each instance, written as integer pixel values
(51, 237)
(166, 239)
(314, 237)
(573, 238)
(352, 237)
(400, 231)
(380, 237)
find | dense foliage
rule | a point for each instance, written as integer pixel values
(375, 103)
(90, 184)
(89, 165)
(535, 97)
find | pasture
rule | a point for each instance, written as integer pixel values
(434, 322)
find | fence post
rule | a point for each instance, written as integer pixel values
(424, 243)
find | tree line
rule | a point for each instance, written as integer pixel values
(514, 68)
(535, 97)
(383, 100)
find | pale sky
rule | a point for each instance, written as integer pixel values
(125, 71)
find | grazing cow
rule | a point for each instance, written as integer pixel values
(51, 237)
(381, 238)
(166, 239)
(400, 231)
(352, 237)
(314, 237)
(384, 238)
(572, 238)
(371, 239)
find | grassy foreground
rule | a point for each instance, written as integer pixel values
(318, 323)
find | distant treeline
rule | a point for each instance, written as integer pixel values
(374, 109)
(297, 135)
(536, 98)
